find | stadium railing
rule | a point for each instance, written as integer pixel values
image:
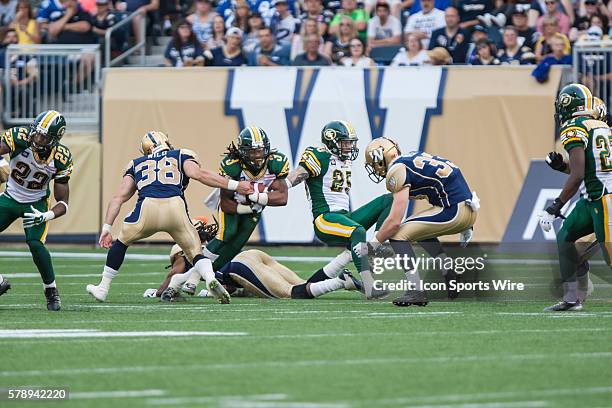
(54, 76)
(592, 65)
(139, 46)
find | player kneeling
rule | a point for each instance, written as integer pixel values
(412, 176)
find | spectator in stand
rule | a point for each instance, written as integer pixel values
(552, 10)
(105, 19)
(452, 38)
(230, 54)
(23, 71)
(240, 17)
(143, 8)
(512, 52)
(485, 54)
(357, 57)
(413, 54)
(410, 7)
(601, 22)
(283, 23)
(539, 8)
(384, 29)
(587, 9)
(337, 47)
(332, 5)
(527, 35)
(395, 7)
(439, 56)
(543, 46)
(268, 53)
(201, 20)
(71, 25)
(25, 24)
(314, 10)
(350, 10)
(218, 34)
(423, 23)
(311, 56)
(267, 9)
(251, 38)
(8, 10)
(479, 33)
(308, 27)
(184, 50)
(557, 57)
(470, 10)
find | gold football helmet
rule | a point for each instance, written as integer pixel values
(379, 154)
(154, 141)
(600, 111)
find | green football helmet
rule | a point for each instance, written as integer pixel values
(573, 100)
(46, 131)
(340, 138)
(253, 148)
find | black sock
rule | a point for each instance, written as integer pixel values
(318, 276)
(300, 292)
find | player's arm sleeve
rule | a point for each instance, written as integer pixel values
(230, 168)
(187, 155)
(129, 170)
(397, 178)
(65, 165)
(574, 135)
(310, 162)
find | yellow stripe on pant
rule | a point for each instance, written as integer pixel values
(221, 232)
(332, 228)
(607, 206)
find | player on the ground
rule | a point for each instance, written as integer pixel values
(414, 176)
(160, 177)
(262, 276)
(36, 158)
(4, 285)
(327, 173)
(587, 141)
(250, 158)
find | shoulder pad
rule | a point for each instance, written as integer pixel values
(574, 131)
(230, 167)
(63, 162)
(591, 124)
(396, 178)
(313, 160)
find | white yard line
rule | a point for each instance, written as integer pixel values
(517, 404)
(117, 394)
(89, 333)
(74, 275)
(307, 363)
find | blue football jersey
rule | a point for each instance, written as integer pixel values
(160, 175)
(432, 177)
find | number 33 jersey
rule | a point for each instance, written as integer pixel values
(29, 174)
(160, 175)
(329, 181)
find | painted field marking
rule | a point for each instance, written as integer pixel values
(117, 394)
(516, 404)
(81, 333)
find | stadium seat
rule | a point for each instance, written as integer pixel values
(384, 55)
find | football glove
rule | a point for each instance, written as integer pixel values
(548, 216)
(149, 293)
(556, 162)
(360, 249)
(36, 217)
(257, 208)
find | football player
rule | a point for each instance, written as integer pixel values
(251, 159)
(4, 285)
(414, 176)
(160, 177)
(262, 276)
(327, 173)
(587, 141)
(36, 158)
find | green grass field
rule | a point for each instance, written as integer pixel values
(333, 352)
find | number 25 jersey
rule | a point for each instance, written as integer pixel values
(160, 175)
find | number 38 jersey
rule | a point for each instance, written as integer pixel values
(30, 175)
(594, 137)
(429, 177)
(160, 175)
(329, 181)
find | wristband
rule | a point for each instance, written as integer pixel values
(63, 203)
(244, 209)
(107, 228)
(232, 185)
(259, 198)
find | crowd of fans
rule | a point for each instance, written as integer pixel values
(321, 32)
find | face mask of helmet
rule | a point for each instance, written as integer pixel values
(41, 143)
(348, 149)
(255, 157)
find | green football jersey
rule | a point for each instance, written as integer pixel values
(594, 137)
(276, 167)
(30, 176)
(329, 181)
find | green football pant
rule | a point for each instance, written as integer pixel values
(234, 232)
(11, 210)
(349, 228)
(586, 217)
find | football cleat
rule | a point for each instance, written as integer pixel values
(564, 306)
(218, 291)
(171, 295)
(189, 288)
(97, 292)
(53, 300)
(350, 282)
(411, 297)
(378, 294)
(4, 286)
(451, 276)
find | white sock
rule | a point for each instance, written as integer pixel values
(328, 285)
(368, 282)
(180, 278)
(204, 268)
(194, 278)
(210, 255)
(51, 285)
(336, 265)
(412, 276)
(107, 276)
